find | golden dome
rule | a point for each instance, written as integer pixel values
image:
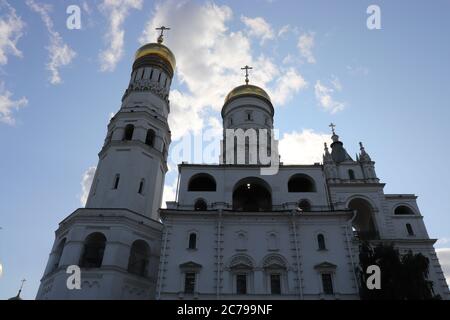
(159, 50)
(246, 89)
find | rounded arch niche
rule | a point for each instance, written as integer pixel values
(252, 194)
(364, 222)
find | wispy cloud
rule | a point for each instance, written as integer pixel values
(8, 105)
(60, 54)
(86, 182)
(303, 147)
(11, 30)
(259, 28)
(305, 45)
(116, 11)
(324, 97)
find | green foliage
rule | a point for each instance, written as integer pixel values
(402, 277)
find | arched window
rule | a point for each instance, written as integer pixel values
(409, 229)
(351, 174)
(321, 242)
(94, 248)
(403, 210)
(139, 258)
(364, 222)
(200, 205)
(128, 133)
(150, 138)
(193, 241)
(252, 194)
(202, 182)
(58, 254)
(301, 183)
(304, 205)
(141, 186)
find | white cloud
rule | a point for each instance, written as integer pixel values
(444, 259)
(283, 30)
(116, 11)
(60, 54)
(209, 60)
(325, 99)
(357, 70)
(442, 241)
(336, 83)
(305, 45)
(258, 28)
(86, 182)
(287, 86)
(169, 193)
(7, 105)
(304, 147)
(11, 28)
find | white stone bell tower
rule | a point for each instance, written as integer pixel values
(116, 238)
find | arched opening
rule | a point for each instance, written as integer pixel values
(301, 183)
(304, 205)
(252, 194)
(275, 272)
(94, 248)
(321, 242)
(403, 210)
(150, 138)
(363, 223)
(58, 253)
(128, 133)
(139, 258)
(202, 182)
(192, 240)
(351, 174)
(200, 205)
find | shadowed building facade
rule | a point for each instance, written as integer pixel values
(234, 231)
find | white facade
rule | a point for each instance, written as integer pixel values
(233, 232)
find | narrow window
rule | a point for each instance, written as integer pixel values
(141, 187)
(128, 134)
(159, 77)
(249, 116)
(151, 74)
(321, 242)
(189, 282)
(327, 283)
(116, 182)
(409, 229)
(275, 284)
(192, 241)
(351, 174)
(241, 284)
(165, 83)
(150, 138)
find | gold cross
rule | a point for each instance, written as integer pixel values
(332, 126)
(161, 36)
(246, 68)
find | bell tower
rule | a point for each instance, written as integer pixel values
(115, 240)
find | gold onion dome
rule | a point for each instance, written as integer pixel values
(247, 89)
(156, 49)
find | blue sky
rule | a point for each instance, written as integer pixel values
(58, 88)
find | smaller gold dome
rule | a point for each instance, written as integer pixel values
(159, 50)
(246, 89)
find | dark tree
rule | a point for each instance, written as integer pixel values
(402, 277)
